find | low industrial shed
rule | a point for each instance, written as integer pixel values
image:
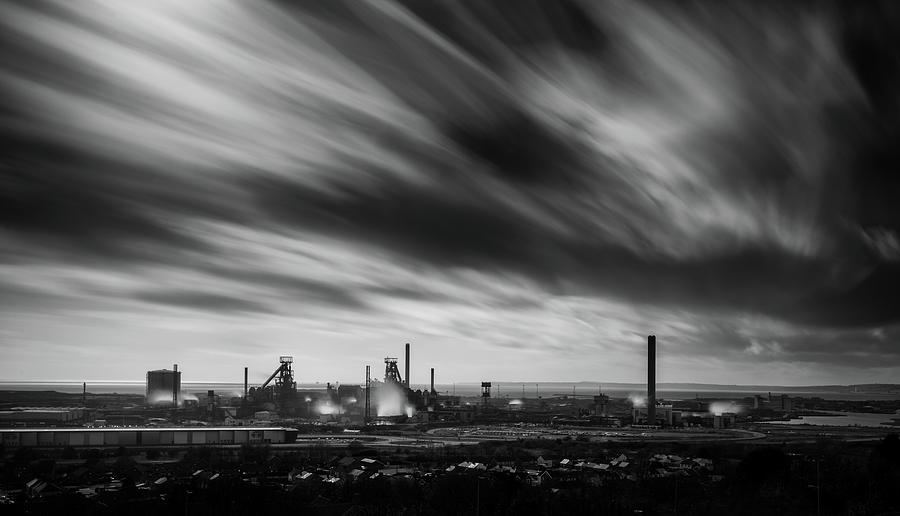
(145, 436)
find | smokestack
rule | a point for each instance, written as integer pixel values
(245, 382)
(432, 380)
(84, 393)
(368, 391)
(406, 376)
(651, 379)
(175, 386)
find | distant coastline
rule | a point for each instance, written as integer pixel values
(857, 388)
(511, 389)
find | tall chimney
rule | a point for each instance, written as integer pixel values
(368, 391)
(84, 393)
(245, 382)
(651, 379)
(406, 375)
(175, 383)
(432, 380)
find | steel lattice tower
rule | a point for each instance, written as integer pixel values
(391, 373)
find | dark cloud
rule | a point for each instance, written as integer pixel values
(871, 301)
(435, 226)
(869, 41)
(204, 301)
(848, 347)
(78, 203)
(722, 159)
(295, 288)
(519, 148)
(394, 292)
(522, 27)
(439, 228)
(18, 297)
(871, 348)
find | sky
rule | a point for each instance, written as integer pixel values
(522, 190)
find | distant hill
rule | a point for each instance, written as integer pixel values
(873, 388)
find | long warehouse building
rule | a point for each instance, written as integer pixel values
(49, 437)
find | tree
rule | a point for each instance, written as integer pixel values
(69, 453)
(762, 465)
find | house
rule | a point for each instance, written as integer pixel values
(345, 463)
(537, 478)
(370, 464)
(37, 488)
(358, 474)
(299, 475)
(398, 470)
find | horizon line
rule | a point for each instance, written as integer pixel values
(467, 382)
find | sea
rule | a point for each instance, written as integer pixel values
(842, 419)
(507, 390)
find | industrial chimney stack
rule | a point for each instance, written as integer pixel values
(406, 375)
(432, 382)
(245, 383)
(368, 392)
(651, 380)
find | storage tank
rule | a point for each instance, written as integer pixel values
(162, 385)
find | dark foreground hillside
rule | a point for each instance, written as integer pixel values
(525, 477)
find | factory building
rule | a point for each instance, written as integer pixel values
(61, 437)
(349, 394)
(783, 403)
(163, 387)
(725, 420)
(42, 414)
(601, 405)
(664, 416)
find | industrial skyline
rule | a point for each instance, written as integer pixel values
(524, 192)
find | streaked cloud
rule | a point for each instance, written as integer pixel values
(541, 182)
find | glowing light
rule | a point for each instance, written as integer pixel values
(325, 409)
(637, 400)
(390, 399)
(720, 407)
